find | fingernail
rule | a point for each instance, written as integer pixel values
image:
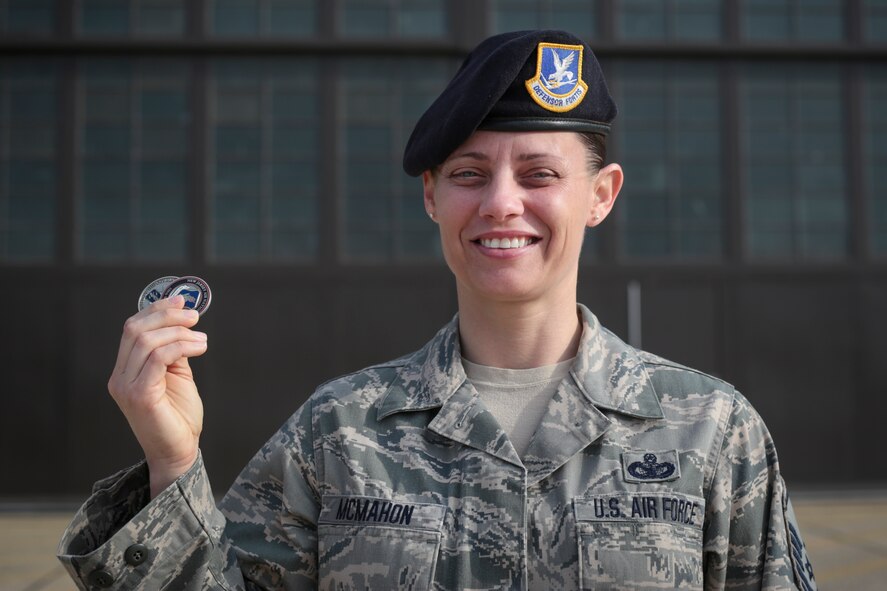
(191, 314)
(200, 335)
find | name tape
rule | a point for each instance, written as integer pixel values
(357, 510)
(666, 507)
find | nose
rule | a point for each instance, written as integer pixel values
(502, 199)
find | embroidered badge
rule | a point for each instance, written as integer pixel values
(558, 85)
(661, 466)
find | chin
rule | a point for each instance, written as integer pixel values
(505, 291)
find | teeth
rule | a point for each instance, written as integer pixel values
(505, 242)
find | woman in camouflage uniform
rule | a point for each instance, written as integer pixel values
(524, 447)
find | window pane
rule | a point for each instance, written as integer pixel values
(104, 17)
(786, 20)
(235, 17)
(384, 216)
(253, 18)
(265, 184)
(669, 143)
(577, 16)
(295, 18)
(103, 141)
(819, 20)
(516, 15)
(696, 20)
(30, 16)
(875, 20)
(159, 243)
(132, 160)
(642, 19)
(795, 189)
(423, 18)
(403, 18)
(238, 243)
(685, 20)
(31, 191)
(28, 187)
(364, 18)
(160, 17)
(163, 192)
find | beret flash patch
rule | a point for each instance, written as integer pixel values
(558, 85)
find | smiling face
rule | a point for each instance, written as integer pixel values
(512, 210)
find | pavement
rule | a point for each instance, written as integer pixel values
(845, 533)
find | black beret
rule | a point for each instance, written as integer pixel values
(519, 81)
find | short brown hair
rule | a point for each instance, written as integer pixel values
(596, 144)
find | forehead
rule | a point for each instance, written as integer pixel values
(507, 144)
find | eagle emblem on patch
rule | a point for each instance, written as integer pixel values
(558, 85)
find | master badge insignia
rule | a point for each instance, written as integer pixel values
(558, 85)
(661, 466)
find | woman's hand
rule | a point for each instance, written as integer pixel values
(153, 386)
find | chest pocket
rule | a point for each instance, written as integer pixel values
(640, 541)
(370, 543)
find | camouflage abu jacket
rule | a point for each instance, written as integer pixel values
(643, 474)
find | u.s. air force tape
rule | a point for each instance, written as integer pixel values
(194, 289)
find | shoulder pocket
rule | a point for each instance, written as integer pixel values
(371, 543)
(640, 540)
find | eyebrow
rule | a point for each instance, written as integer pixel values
(484, 157)
(475, 155)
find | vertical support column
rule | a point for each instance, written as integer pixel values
(199, 243)
(64, 19)
(732, 164)
(195, 19)
(67, 218)
(606, 13)
(854, 159)
(853, 81)
(853, 19)
(330, 223)
(730, 22)
(470, 21)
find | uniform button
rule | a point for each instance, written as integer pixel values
(101, 578)
(135, 555)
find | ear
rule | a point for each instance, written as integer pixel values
(428, 193)
(607, 185)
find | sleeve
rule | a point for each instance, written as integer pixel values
(262, 535)
(751, 538)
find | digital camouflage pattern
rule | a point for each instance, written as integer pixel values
(643, 474)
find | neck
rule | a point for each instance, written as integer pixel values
(518, 335)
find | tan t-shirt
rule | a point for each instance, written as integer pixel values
(517, 397)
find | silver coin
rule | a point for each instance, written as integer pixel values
(195, 291)
(154, 291)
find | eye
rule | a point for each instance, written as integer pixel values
(541, 175)
(466, 177)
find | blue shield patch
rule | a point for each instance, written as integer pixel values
(191, 297)
(558, 85)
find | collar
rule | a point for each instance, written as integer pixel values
(608, 372)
